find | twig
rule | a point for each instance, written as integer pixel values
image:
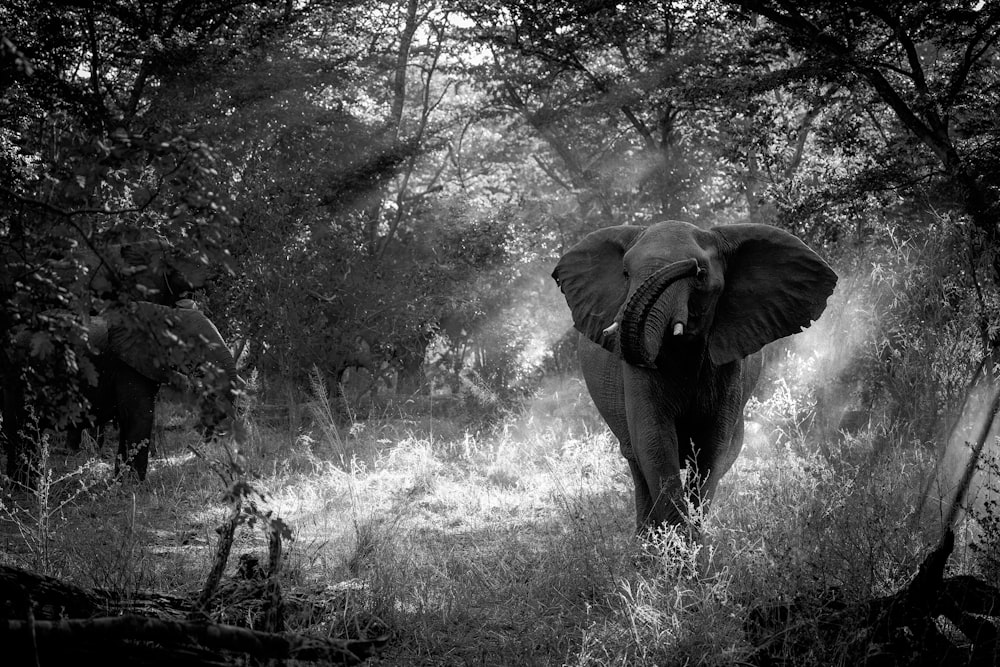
(274, 617)
(112, 639)
(226, 533)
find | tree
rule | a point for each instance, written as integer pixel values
(907, 93)
(607, 88)
(89, 166)
(932, 64)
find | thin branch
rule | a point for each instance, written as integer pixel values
(551, 173)
(961, 75)
(794, 21)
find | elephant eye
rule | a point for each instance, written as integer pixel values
(625, 273)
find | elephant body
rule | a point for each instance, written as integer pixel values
(672, 318)
(135, 349)
(707, 421)
(150, 345)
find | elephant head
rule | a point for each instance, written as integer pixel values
(151, 269)
(144, 345)
(729, 290)
(669, 314)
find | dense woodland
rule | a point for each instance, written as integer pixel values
(385, 186)
(380, 190)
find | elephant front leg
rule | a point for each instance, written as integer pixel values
(136, 397)
(643, 500)
(719, 443)
(653, 435)
(21, 450)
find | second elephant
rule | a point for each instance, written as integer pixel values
(145, 345)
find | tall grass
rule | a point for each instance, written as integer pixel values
(515, 544)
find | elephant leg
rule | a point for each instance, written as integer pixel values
(736, 390)
(20, 450)
(653, 434)
(602, 372)
(74, 435)
(136, 399)
(643, 501)
(718, 446)
(723, 463)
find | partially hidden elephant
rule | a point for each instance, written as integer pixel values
(671, 319)
(149, 345)
(136, 348)
(149, 269)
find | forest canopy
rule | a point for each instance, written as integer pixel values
(386, 185)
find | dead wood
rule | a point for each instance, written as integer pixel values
(226, 534)
(53, 599)
(905, 628)
(136, 640)
(45, 621)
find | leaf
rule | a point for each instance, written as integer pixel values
(41, 344)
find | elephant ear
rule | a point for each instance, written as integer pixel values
(775, 286)
(138, 333)
(591, 276)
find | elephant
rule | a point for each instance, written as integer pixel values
(151, 345)
(671, 320)
(111, 277)
(136, 348)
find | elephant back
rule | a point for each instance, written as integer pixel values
(205, 342)
(159, 341)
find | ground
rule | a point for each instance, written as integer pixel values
(509, 543)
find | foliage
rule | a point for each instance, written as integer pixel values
(984, 520)
(931, 68)
(84, 171)
(608, 92)
(385, 185)
(396, 167)
(514, 544)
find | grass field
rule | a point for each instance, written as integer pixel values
(512, 545)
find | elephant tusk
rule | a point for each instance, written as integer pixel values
(678, 329)
(611, 329)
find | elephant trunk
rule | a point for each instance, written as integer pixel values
(639, 305)
(219, 355)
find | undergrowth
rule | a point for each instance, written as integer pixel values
(512, 544)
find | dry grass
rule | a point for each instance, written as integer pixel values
(508, 546)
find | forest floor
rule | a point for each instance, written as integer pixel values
(511, 545)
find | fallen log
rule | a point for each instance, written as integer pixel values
(54, 599)
(141, 641)
(46, 621)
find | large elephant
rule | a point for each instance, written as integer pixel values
(672, 318)
(136, 348)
